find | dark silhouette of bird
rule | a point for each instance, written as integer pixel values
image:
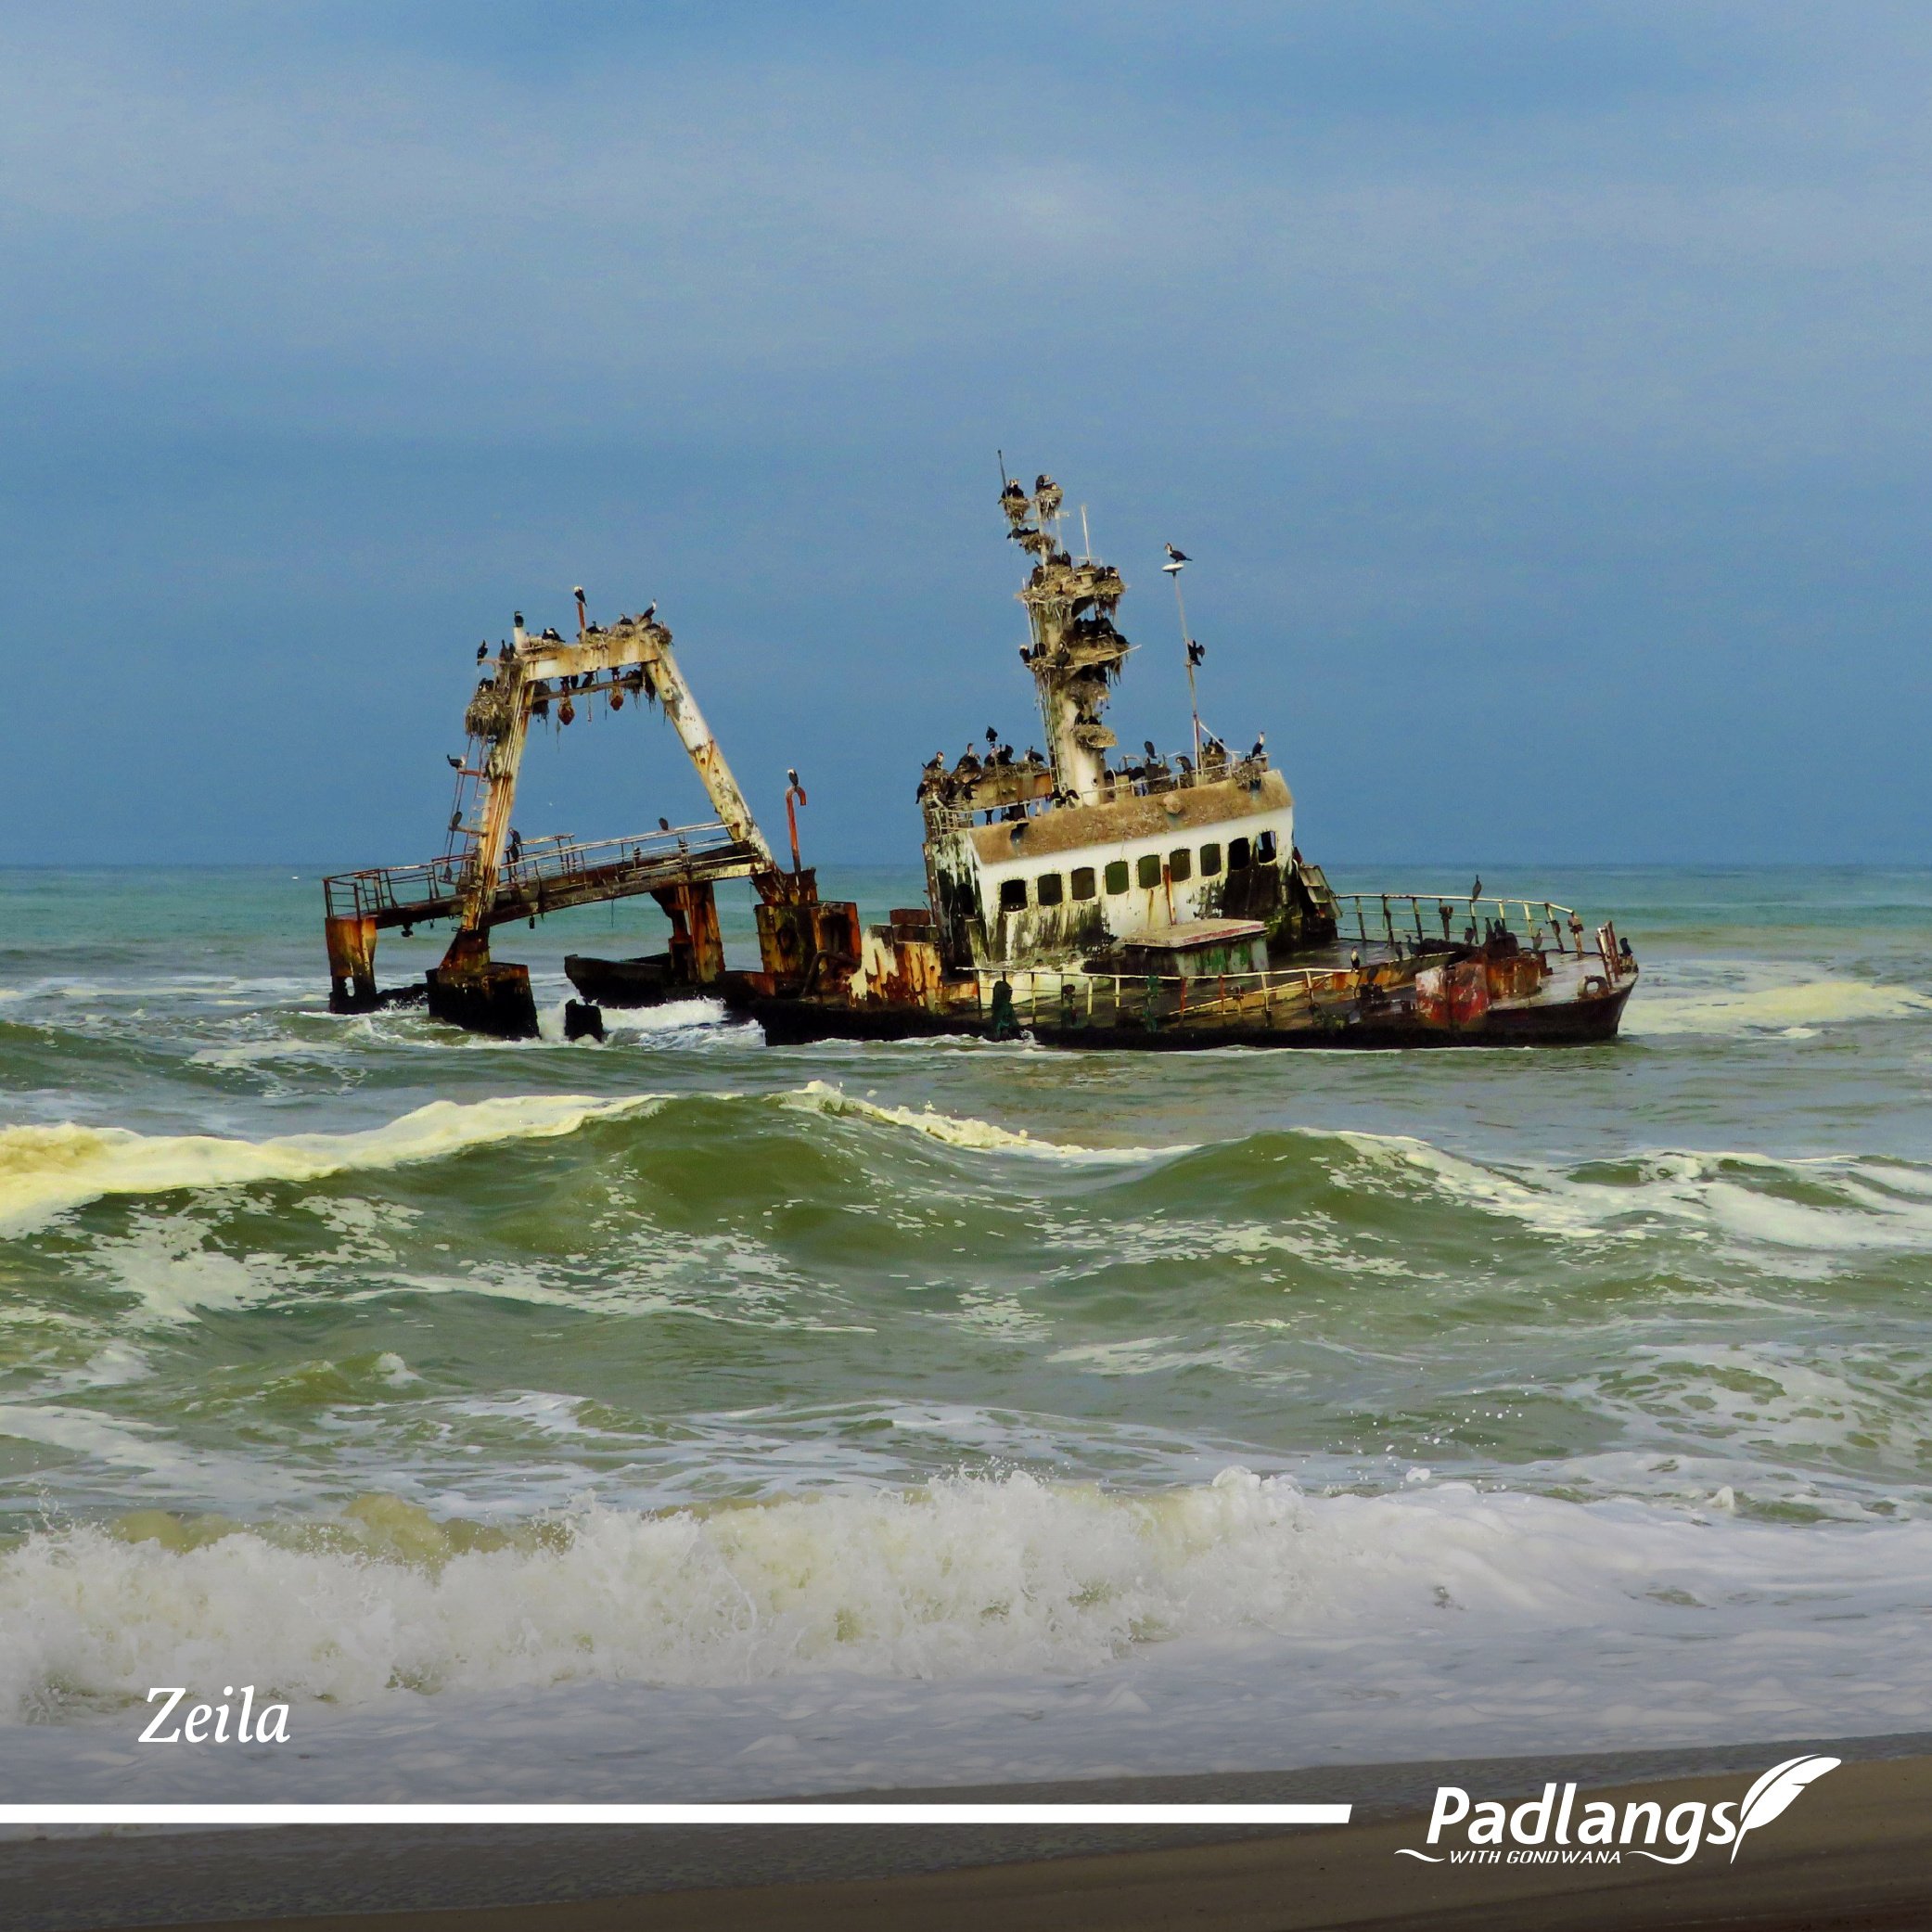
(1195, 651)
(1476, 891)
(1186, 763)
(993, 737)
(552, 635)
(1261, 744)
(1147, 746)
(663, 824)
(482, 650)
(650, 610)
(791, 778)
(1175, 558)
(455, 764)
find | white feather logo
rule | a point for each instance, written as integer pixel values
(1771, 1796)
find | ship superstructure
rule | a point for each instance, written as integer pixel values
(1045, 857)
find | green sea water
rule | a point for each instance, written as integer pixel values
(714, 1417)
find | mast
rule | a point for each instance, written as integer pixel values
(1076, 653)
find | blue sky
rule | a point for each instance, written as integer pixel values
(1541, 391)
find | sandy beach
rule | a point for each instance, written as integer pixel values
(1854, 1851)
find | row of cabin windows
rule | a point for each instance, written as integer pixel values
(1053, 889)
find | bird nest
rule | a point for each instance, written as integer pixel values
(488, 713)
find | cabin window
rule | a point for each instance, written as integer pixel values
(1264, 848)
(1211, 861)
(1012, 895)
(1117, 875)
(1180, 864)
(1050, 888)
(1148, 869)
(1237, 855)
(1083, 882)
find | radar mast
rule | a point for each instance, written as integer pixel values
(1076, 653)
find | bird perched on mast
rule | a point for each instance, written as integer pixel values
(482, 652)
(1176, 559)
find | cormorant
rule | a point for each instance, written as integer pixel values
(455, 764)
(663, 824)
(650, 610)
(482, 650)
(1195, 651)
(1175, 558)
(1261, 744)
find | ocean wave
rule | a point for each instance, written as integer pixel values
(1823, 1204)
(963, 1131)
(969, 1577)
(46, 1170)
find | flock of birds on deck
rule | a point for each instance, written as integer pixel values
(960, 783)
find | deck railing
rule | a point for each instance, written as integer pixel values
(1403, 918)
(431, 888)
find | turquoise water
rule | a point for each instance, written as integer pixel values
(719, 1419)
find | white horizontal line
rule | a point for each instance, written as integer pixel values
(992, 1813)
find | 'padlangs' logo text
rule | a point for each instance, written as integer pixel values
(1551, 1830)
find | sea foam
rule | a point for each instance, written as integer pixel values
(45, 1169)
(1795, 1008)
(968, 1578)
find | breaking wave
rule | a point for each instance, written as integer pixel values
(1823, 1204)
(45, 1169)
(970, 1575)
(957, 1131)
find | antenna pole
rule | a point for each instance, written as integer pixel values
(1086, 541)
(1193, 703)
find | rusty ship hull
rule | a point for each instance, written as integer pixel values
(1500, 992)
(788, 1022)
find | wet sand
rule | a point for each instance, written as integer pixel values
(1854, 1851)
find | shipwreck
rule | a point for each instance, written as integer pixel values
(1074, 895)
